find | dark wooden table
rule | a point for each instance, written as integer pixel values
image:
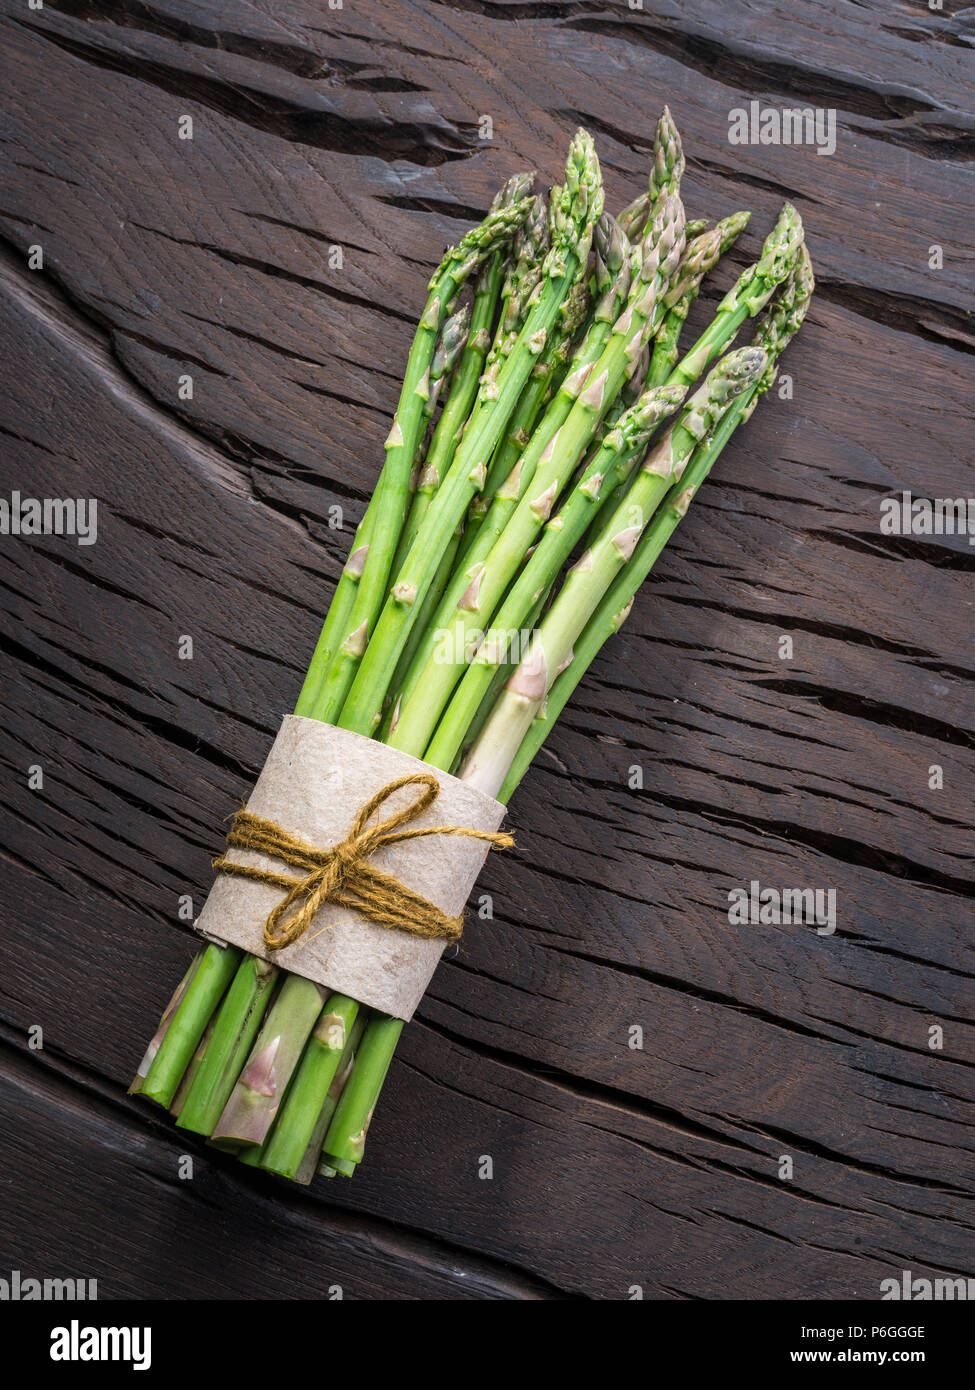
(165, 258)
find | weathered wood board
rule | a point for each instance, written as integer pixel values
(209, 257)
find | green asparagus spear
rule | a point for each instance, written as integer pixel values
(609, 467)
(576, 208)
(362, 584)
(613, 278)
(488, 761)
(775, 330)
(236, 1025)
(295, 1125)
(424, 699)
(700, 258)
(666, 173)
(750, 293)
(346, 1137)
(187, 1025)
(262, 1084)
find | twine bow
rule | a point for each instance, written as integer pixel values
(342, 874)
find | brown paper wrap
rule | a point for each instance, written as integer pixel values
(314, 781)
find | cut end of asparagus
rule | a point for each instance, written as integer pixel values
(337, 1167)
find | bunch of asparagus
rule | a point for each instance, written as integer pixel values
(528, 435)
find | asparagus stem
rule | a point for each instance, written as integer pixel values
(463, 390)
(531, 245)
(666, 173)
(533, 397)
(234, 1031)
(367, 570)
(337, 617)
(613, 279)
(615, 606)
(444, 442)
(520, 274)
(161, 1031)
(775, 331)
(610, 465)
(489, 760)
(499, 675)
(313, 1154)
(182, 1090)
(342, 1166)
(700, 257)
(575, 209)
(260, 1088)
(187, 1025)
(509, 448)
(423, 704)
(750, 293)
(346, 1137)
(453, 340)
(428, 607)
(610, 253)
(302, 1108)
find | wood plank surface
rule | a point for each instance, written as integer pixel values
(614, 1167)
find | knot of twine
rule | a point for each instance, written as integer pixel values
(342, 874)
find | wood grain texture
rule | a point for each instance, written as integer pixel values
(613, 1168)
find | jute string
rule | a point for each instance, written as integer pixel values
(342, 874)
